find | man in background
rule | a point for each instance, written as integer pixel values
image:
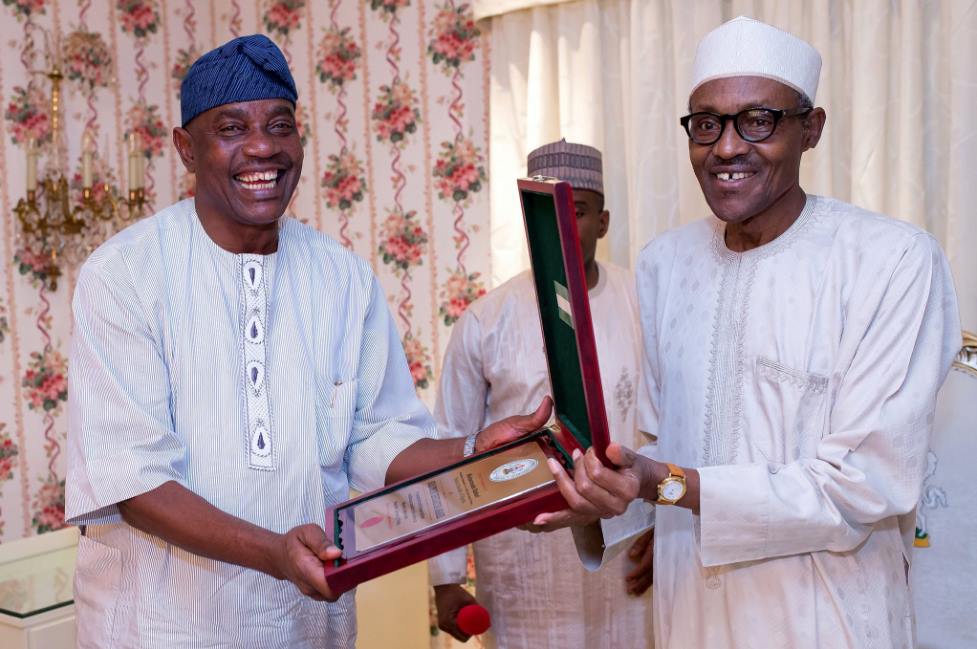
(537, 592)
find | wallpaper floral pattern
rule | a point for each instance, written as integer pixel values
(393, 109)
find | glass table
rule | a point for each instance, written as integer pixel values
(36, 601)
(38, 583)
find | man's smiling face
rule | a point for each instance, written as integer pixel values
(739, 179)
(247, 158)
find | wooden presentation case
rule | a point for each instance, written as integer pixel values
(561, 289)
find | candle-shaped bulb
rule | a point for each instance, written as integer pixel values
(31, 166)
(133, 163)
(86, 161)
(140, 163)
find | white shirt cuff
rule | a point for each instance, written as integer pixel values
(598, 544)
(449, 568)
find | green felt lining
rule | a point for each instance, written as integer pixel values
(561, 340)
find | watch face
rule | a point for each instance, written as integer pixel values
(673, 490)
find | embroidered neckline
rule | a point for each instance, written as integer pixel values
(813, 208)
(227, 258)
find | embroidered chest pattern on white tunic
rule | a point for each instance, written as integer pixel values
(724, 396)
(624, 393)
(260, 448)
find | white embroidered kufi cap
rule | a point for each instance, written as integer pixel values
(744, 47)
(578, 164)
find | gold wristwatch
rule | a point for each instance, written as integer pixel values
(672, 489)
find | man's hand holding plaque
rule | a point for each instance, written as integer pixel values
(597, 490)
(300, 557)
(606, 491)
(512, 428)
(434, 502)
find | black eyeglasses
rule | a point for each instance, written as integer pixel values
(752, 124)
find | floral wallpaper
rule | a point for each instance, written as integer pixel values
(393, 110)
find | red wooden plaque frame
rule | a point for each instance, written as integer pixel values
(579, 299)
(347, 573)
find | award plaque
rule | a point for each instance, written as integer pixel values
(498, 489)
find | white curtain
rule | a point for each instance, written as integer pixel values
(899, 84)
(489, 8)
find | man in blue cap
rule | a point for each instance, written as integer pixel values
(233, 374)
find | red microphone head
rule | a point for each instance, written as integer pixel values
(474, 619)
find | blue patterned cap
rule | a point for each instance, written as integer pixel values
(247, 68)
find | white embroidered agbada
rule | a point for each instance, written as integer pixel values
(266, 384)
(801, 377)
(533, 584)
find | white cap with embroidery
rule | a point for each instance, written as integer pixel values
(744, 47)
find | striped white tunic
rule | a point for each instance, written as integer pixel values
(267, 384)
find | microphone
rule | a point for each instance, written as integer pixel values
(473, 619)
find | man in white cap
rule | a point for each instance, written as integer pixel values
(793, 349)
(533, 586)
